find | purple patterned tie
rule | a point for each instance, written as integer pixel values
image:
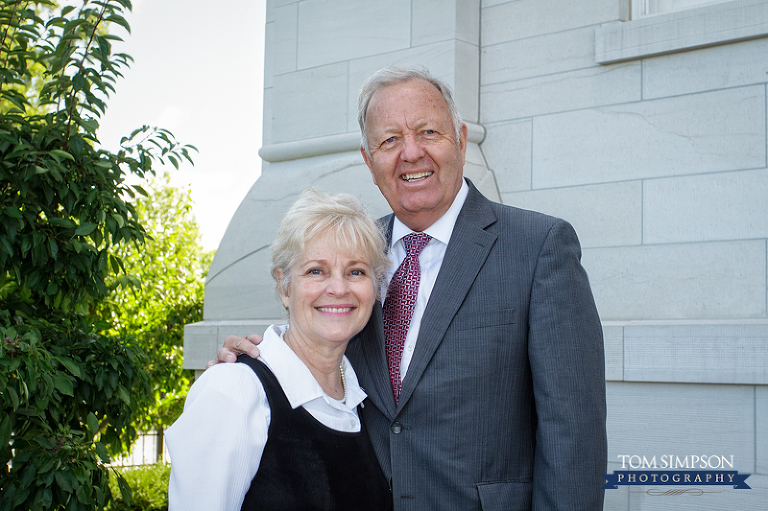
(399, 305)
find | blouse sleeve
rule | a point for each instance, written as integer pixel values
(216, 445)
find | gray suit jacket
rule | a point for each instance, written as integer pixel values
(503, 404)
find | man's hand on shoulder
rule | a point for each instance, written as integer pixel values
(235, 345)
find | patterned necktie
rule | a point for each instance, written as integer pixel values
(399, 305)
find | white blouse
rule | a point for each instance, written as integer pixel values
(216, 445)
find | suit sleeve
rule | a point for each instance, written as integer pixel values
(568, 371)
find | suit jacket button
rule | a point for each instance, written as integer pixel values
(397, 428)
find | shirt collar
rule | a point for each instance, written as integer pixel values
(295, 378)
(443, 228)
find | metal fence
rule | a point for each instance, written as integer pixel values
(145, 451)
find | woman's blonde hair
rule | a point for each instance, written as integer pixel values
(343, 216)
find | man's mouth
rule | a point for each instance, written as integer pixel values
(410, 178)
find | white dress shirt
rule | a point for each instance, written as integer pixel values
(216, 445)
(430, 260)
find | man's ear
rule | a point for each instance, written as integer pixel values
(368, 162)
(463, 142)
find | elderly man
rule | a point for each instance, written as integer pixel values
(484, 366)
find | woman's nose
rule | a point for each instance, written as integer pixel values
(338, 286)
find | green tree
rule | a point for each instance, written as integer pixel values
(68, 389)
(160, 293)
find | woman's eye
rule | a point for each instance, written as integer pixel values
(314, 271)
(430, 132)
(389, 140)
(357, 273)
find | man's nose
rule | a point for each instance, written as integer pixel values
(412, 149)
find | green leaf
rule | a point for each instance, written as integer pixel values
(123, 394)
(70, 364)
(5, 430)
(85, 229)
(63, 384)
(14, 397)
(45, 443)
(125, 489)
(64, 480)
(12, 212)
(101, 451)
(92, 423)
(58, 155)
(62, 222)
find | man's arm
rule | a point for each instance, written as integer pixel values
(235, 345)
(568, 368)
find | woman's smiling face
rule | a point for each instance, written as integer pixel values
(330, 294)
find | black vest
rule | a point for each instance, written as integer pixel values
(308, 466)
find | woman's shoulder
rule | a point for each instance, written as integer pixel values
(228, 378)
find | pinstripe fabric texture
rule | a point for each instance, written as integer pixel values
(503, 404)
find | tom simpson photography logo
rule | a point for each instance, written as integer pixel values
(670, 470)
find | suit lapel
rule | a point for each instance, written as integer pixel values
(378, 387)
(372, 339)
(465, 255)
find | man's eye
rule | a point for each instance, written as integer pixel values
(430, 132)
(389, 140)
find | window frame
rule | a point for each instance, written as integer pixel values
(659, 34)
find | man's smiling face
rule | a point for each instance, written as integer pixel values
(415, 159)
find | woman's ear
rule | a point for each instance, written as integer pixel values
(282, 289)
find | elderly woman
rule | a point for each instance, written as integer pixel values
(294, 438)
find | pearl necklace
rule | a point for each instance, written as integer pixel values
(343, 382)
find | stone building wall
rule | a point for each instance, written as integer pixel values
(648, 135)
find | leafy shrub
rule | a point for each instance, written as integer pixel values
(149, 488)
(68, 388)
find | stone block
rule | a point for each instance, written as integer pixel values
(243, 290)
(199, 343)
(725, 206)
(761, 434)
(718, 23)
(712, 68)
(338, 30)
(476, 170)
(529, 18)
(613, 338)
(266, 122)
(706, 352)
(604, 215)
(561, 92)
(675, 136)
(467, 21)
(439, 20)
(202, 340)
(466, 88)
(283, 40)
(320, 90)
(243, 328)
(537, 56)
(685, 281)
(269, 55)
(658, 419)
(507, 149)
